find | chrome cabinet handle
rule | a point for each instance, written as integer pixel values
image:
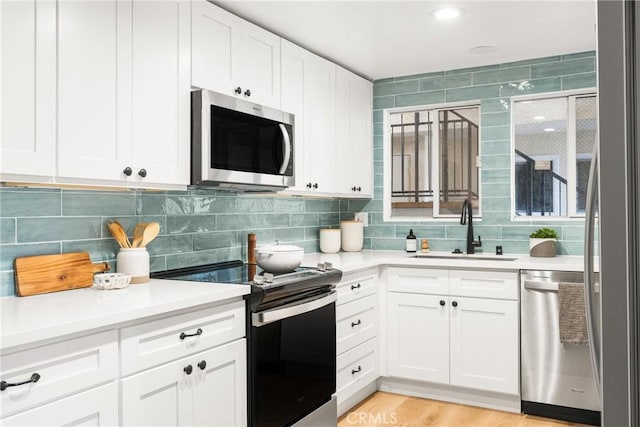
(183, 335)
(35, 377)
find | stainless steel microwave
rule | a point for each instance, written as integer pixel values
(239, 145)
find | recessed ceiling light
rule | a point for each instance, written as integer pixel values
(538, 118)
(483, 49)
(447, 13)
(549, 129)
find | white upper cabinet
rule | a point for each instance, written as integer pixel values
(28, 87)
(354, 143)
(161, 100)
(234, 57)
(319, 125)
(123, 103)
(93, 78)
(293, 60)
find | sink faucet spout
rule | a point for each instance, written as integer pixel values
(466, 218)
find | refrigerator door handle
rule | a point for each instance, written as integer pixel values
(589, 273)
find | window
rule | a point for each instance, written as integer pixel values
(431, 159)
(553, 141)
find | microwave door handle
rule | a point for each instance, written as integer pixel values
(286, 149)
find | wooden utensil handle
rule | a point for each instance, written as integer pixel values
(101, 267)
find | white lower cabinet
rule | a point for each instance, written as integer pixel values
(418, 331)
(451, 338)
(357, 321)
(96, 407)
(208, 388)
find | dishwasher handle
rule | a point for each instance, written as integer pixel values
(539, 285)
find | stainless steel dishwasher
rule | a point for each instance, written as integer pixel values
(557, 379)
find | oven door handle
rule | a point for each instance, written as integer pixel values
(286, 149)
(293, 309)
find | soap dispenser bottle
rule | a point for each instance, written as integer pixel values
(412, 242)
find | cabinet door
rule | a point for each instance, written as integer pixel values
(159, 396)
(220, 388)
(484, 344)
(292, 75)
(418, 337)
(96, 407)
(28, 109)
(319, 124)
(94, 138)
(353, 134)
(160, 91)
(215, 48)
(260, 65)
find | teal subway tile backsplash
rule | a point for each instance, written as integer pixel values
(504, 75)
(473, 93)
(15, 202)
(578, 81)
(561, 68)
(446, 82)
(532, 61)
(422, 98)
(501, 118)
(196, 226)
(396, 88)
(528, 87)
(7, 230)
(418, 76)
(473, 69)
(492, 105)
(82, 203)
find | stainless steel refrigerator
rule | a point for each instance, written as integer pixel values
(616, 187)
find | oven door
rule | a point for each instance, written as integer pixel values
(292, 357)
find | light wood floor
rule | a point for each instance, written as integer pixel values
(387, 409)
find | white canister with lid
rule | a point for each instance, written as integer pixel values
(330, 240)
(352, 233)
(134, 261)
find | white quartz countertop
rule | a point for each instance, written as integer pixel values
(353, 261)
(35, 318)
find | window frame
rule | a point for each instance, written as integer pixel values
(435, 164)
(571, 96)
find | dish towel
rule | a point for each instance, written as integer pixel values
(573, 319)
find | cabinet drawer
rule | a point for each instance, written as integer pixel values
(418, 280)
(96, 407)
(64, 368)
(356, 286)
(159, 341)
(356, 368)
(355, 323)
(484, 284)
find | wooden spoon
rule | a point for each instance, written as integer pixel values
(150, 232)
(119, 234)
(137, 234)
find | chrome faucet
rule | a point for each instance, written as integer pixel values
(467, 211)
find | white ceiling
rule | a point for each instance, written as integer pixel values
(379, 39)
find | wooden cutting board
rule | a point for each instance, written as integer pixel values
(51, 273)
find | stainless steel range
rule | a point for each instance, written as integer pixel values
(291, 340)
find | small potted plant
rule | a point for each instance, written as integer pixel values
(542, 243)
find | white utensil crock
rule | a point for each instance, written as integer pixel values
(134, 261)
(330, 240)
(352, 235)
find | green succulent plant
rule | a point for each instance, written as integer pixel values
(544, 233)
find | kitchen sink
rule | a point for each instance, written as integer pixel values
(467, 256)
